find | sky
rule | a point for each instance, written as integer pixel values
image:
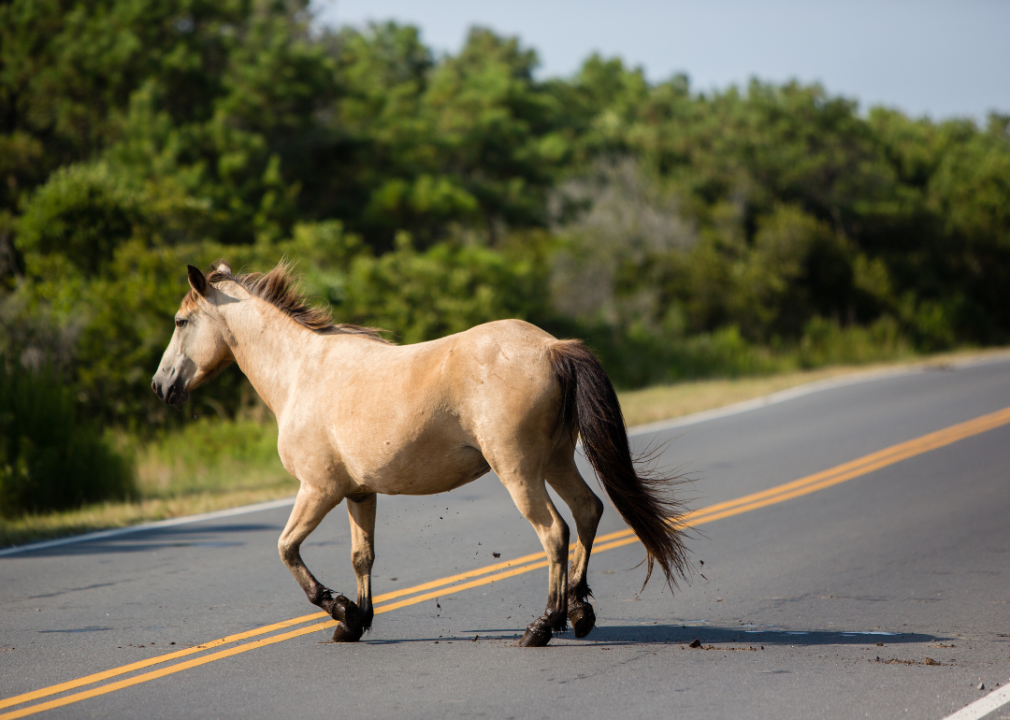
(925, 57)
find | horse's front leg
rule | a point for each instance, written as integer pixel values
(310, 508)
(361, 510)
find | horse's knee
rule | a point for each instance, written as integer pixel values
(589, 510)
(288, 551)
(362, 560)
(586, 508)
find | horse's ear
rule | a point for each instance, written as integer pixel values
(197, 281)
(223, 267)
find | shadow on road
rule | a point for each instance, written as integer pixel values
(718, 637)
(637, 634)
(154, 539)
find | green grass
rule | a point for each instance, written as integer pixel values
(211, 455)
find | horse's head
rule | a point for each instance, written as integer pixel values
(198, 349)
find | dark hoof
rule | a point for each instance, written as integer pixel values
(583, 619)
(344, 609)
(350, 627)
(344, 633)
(538, 634)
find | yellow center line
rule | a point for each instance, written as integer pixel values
(139, 665)
(105, 675)
(847, 471)
(239, 649)
(455, 578)
(510, 568)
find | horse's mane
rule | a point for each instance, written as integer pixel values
(280, 289)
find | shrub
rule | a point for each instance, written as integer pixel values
(82, 212)
(50, 457)
(443, 290)
(635, 358)
(825, 343)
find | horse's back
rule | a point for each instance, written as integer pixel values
(422, 418)
(497, 369)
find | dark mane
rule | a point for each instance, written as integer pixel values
(280, 289)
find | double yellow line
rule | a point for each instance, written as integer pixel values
(388, 602)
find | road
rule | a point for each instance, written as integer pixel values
(820, 601)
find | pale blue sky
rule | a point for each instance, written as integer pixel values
(938, 58)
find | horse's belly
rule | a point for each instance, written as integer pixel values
(427, 473)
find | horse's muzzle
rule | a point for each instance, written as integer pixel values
(173, 394)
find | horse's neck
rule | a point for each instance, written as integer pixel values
(268, 347)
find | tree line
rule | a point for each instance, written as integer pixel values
(683, 233)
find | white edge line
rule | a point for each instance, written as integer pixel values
(693, 419)
(983, 706)
(806, 389)
(775, 398)
(102, 534)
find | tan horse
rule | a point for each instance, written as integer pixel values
(358, 416)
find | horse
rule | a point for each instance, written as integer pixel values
(358, 416)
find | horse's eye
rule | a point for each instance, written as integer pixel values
(179, 322)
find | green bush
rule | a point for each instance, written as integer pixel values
(635, 358)
(825, 343)
(82, 212)
(50, 457)
(443, 290)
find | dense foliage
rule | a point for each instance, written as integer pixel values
(50, 456)
(682, 233)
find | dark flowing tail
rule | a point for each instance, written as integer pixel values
(643, 499)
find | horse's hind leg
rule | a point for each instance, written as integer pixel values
(564, 477)
(310, 508)
(362, 514)
(531, 497)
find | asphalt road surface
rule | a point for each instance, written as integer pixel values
(821, 599)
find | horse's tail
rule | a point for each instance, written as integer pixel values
(590, 406)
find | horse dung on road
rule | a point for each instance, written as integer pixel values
(358, 416)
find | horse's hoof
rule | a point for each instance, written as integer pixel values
(350, 627)
(538, 634)
(345, 610)
(344, 633)
(583, 619)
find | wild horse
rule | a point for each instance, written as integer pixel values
(358, 416)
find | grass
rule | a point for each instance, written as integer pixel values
(664, 402)
(206, 466)
(212, 465)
